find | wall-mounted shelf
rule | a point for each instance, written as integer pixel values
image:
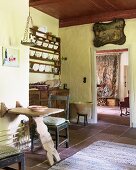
(45, 54)
(38, 67)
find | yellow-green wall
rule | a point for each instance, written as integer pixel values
(13, 80)
(77, 46)
(14, 85)
(42, 20)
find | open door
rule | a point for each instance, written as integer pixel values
(111, 87)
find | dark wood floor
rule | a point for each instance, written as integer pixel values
(107, 128)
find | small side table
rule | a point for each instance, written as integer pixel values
(83, 109)
(85, 118)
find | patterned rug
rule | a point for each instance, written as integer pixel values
(101, 155)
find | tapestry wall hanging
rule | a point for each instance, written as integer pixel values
(107, 73)
(109, 33)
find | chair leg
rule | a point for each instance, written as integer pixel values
(32, 133)
(126, 111)
(67, 137)
(77, 118)
(57, 138)
(86, 119)
(21, 164)
(121, 111)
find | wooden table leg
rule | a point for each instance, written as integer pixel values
(46, 140)
(32, 132)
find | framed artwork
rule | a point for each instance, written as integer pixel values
(109, 33)
(10, 57)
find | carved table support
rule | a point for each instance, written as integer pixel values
(3, 109)
(46, 140)
(44, 135)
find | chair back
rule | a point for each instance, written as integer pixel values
(9, 139)
(9, 151)
(126, 100)
(58, 101)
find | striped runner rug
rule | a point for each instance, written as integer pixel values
(101, 155)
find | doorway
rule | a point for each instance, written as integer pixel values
(112, 85)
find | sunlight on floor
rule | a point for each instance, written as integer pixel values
(109, 110)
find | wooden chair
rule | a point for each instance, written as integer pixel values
(58, 124)
(124, 105)
(9, 154)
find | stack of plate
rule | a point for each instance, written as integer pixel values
(42, 29)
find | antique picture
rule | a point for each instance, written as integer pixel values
(109, 33)
(10, 57)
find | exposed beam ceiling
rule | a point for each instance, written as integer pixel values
(76, 12)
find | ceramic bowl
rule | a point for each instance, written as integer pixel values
(55, 70)
(50, 56)
(83, 107)
(41, 67)
(45, 55)
(38, 54)
(48, 68)
(36, 67)
(45, 44)
(39, 43)
(50, 46)
(55, 57)
(32, 52)
(57, 43)
(55, 47)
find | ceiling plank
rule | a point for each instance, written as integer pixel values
(107, 16)
(98, 5)
(111, 4)
(70, 12)
(41, 2)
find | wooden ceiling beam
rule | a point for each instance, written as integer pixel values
(107, 16)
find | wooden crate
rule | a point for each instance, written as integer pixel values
(111, 102)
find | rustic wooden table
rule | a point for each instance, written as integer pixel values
(41, 129)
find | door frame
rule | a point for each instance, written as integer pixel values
(94, 82)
